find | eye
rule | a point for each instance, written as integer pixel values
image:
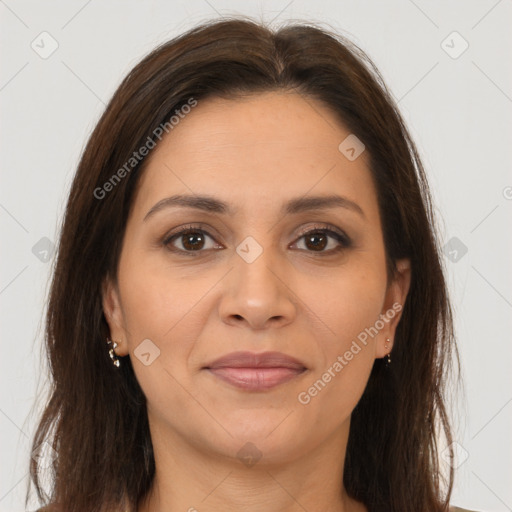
(320, 237)
(190, 239)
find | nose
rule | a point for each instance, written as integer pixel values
(257, 295)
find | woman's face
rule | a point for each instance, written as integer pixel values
(247, 278)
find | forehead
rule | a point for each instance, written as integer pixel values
(271, 119)
(261, 146)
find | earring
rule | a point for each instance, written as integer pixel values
(112, 346)
(388, 361)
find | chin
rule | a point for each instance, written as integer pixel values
(272, 439)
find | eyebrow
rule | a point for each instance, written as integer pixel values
(293, 206)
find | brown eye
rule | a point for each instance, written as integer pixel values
(190, 240)
(316, 241)
(324, 241)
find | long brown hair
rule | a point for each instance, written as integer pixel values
(95, 418)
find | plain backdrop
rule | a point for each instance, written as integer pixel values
(446, 63)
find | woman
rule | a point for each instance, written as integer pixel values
(248, 309)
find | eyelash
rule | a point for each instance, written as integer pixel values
(344, 241)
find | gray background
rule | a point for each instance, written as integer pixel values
(457, 105)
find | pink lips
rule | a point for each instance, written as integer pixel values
(256, 372)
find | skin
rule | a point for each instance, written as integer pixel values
(254, 153)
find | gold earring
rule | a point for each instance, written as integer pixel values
(388, 362)
(112, 346)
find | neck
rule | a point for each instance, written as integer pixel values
(188, 479)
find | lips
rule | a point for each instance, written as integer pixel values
(256, 372)
(253, 360)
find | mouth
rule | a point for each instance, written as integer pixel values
(255, 379)
(256, 372)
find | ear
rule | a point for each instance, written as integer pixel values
(391, 313)
(114, 315)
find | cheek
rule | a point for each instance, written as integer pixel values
(338, 382)
(169, 307)
(163, 308)
(349, 303)
(156, 296)
(331, 395)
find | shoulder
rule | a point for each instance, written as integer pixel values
(458, 509)
(54, 508)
